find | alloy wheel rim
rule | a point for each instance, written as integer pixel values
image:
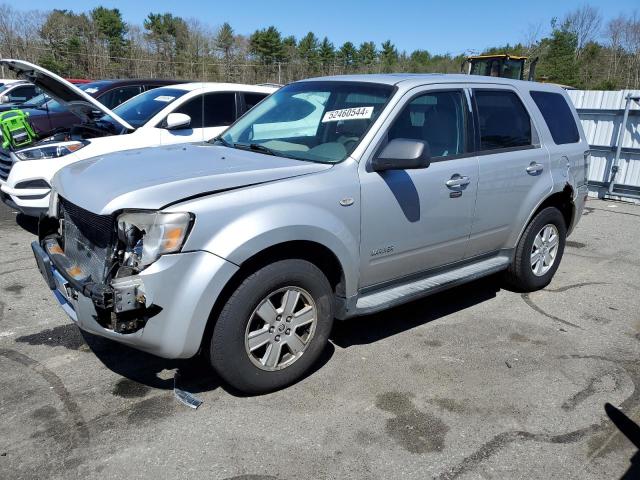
(276, 337)
(544, 250)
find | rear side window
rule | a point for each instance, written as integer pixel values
(504, 121)
(557, 114)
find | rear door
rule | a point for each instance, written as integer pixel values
(568, 158)
(514, 171)
(210, 114)
(417, 220)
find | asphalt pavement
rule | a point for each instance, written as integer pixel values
(477, 382)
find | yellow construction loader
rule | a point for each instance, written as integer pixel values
(500, 65)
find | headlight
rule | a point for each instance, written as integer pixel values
(49, 151)
(147, 235)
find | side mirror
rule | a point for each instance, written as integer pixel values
(403, 154)
(4, 99)
(176, 121)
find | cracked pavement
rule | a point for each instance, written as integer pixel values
(476, 382)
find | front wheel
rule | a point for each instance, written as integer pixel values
(274, 327)
(539, 251)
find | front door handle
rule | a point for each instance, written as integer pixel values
(457, 181)
(534, 168)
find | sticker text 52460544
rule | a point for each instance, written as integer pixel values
(357, 113)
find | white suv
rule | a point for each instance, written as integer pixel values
(184, 113)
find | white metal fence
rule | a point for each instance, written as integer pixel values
(602, 114)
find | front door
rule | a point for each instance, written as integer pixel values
(416, 220)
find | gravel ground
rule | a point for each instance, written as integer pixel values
(477, 382)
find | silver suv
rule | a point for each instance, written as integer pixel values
(333, 197)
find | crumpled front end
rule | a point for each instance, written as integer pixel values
(162, 309)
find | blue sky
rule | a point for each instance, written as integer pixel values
(440, 27)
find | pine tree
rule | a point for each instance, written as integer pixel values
(266, 44)
(327, 52)
(559, 61)
(388, 56)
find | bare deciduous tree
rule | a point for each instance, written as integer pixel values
(584, 22)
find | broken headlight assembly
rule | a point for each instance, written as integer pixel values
(49, 151)
(148, 235)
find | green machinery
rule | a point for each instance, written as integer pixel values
(15, 129)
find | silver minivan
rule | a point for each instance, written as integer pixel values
(333, 197)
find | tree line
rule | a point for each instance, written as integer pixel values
(579, 50)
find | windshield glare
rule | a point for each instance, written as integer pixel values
(140, 109)
(315, 121)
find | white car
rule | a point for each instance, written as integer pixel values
(184, 113)
(17, 91)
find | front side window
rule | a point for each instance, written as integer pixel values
(503, 120)
(437, 118)
(252, 99)
(315, 121)
(210, 110)
(558, 117)
(140, 109)
(219, 109)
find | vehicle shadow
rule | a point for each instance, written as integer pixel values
(195, 375)
(371, 328)
(631, 430)
(30, 224)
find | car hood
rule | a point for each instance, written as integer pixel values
(80, 103)
(153, 178)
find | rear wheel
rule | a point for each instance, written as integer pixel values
(273, 327)
(539, 251)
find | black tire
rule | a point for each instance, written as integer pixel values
(520, 274)
(227, 352)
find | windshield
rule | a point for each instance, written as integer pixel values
(316, 121)
(498, 67)
(140, 109)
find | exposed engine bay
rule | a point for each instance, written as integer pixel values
(101, 262)
(81, 131)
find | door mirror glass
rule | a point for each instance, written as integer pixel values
(403, 154)
(177, 121)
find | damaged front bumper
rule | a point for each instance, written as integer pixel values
(162, 310)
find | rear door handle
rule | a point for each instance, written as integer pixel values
(534, 168)
(457, 181)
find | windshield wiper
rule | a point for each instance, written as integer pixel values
(256, 147)
(221, 140)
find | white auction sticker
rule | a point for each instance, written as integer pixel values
(357, 113)
(91, 90)
(164, 98)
